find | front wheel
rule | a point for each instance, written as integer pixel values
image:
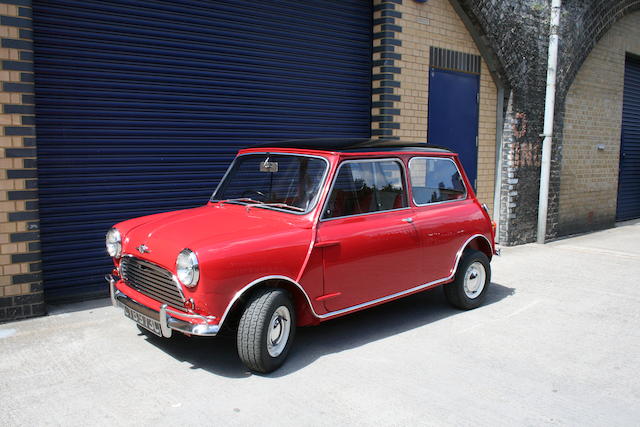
(469, 288)
(266, 330)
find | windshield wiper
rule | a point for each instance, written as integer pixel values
(258, 203)
(240, 200)
(280, 205)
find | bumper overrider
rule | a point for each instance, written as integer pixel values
(170, 320)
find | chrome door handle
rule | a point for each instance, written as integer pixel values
(409, 220)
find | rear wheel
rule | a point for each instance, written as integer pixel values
(266, 330)
(469, 288)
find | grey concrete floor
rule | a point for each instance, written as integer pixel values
(558, 342)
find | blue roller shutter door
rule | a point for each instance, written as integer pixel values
(628, 206)
(140, 106)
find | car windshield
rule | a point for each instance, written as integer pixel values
(277, 181)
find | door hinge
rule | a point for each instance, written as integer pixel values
(478, 97)
(477, 141)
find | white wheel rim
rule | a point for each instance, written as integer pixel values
(474, 279)
(278, 333)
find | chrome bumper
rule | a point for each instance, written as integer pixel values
(168, 323)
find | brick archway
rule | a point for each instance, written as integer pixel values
(515, 36)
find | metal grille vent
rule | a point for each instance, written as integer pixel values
(453, 60)
(151, 280)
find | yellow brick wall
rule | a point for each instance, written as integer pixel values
(7, 248)
(20, 285)
(435, 23)
(593, 115)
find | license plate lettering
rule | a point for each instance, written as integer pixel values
(142, 320)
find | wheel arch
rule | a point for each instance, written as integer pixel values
(480, 243)
(305, 314)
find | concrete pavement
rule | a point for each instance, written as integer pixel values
(558, 342)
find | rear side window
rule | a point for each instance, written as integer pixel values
(435, 180)
(363, 187)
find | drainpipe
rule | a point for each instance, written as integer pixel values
(498, 174)
(549, 107)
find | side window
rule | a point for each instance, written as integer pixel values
(435, 180)
(362, 187)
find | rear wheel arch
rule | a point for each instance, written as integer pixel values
(480, 243)
(472, 278)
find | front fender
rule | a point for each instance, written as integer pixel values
(227, 271)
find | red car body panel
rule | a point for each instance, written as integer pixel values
(375, 253)
(334, 266)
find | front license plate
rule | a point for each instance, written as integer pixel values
(142, 320)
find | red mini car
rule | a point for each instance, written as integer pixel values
(301, 232)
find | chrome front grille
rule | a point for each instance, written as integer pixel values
(152, 280)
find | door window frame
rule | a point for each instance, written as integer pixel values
(405, 187)
(466, 190)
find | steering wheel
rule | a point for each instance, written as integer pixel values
(249, 193)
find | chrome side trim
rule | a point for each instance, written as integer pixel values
(358, 306)
(382, 299)
(168, 323)
(466, 191)
(408, 291)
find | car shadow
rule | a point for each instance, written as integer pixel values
(219, 355)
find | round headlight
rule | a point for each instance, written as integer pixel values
(114, 242)
(187, 268)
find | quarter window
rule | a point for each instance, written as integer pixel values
(435, 180)
(363, 187)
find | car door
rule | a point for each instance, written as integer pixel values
(370, 247)
(442, 214)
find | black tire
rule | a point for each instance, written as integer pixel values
(455, 291)
(254, 330)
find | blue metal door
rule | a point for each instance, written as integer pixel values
(140, 106)
(629, 176)
(453, 115)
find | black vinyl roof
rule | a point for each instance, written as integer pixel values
(353, 145)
